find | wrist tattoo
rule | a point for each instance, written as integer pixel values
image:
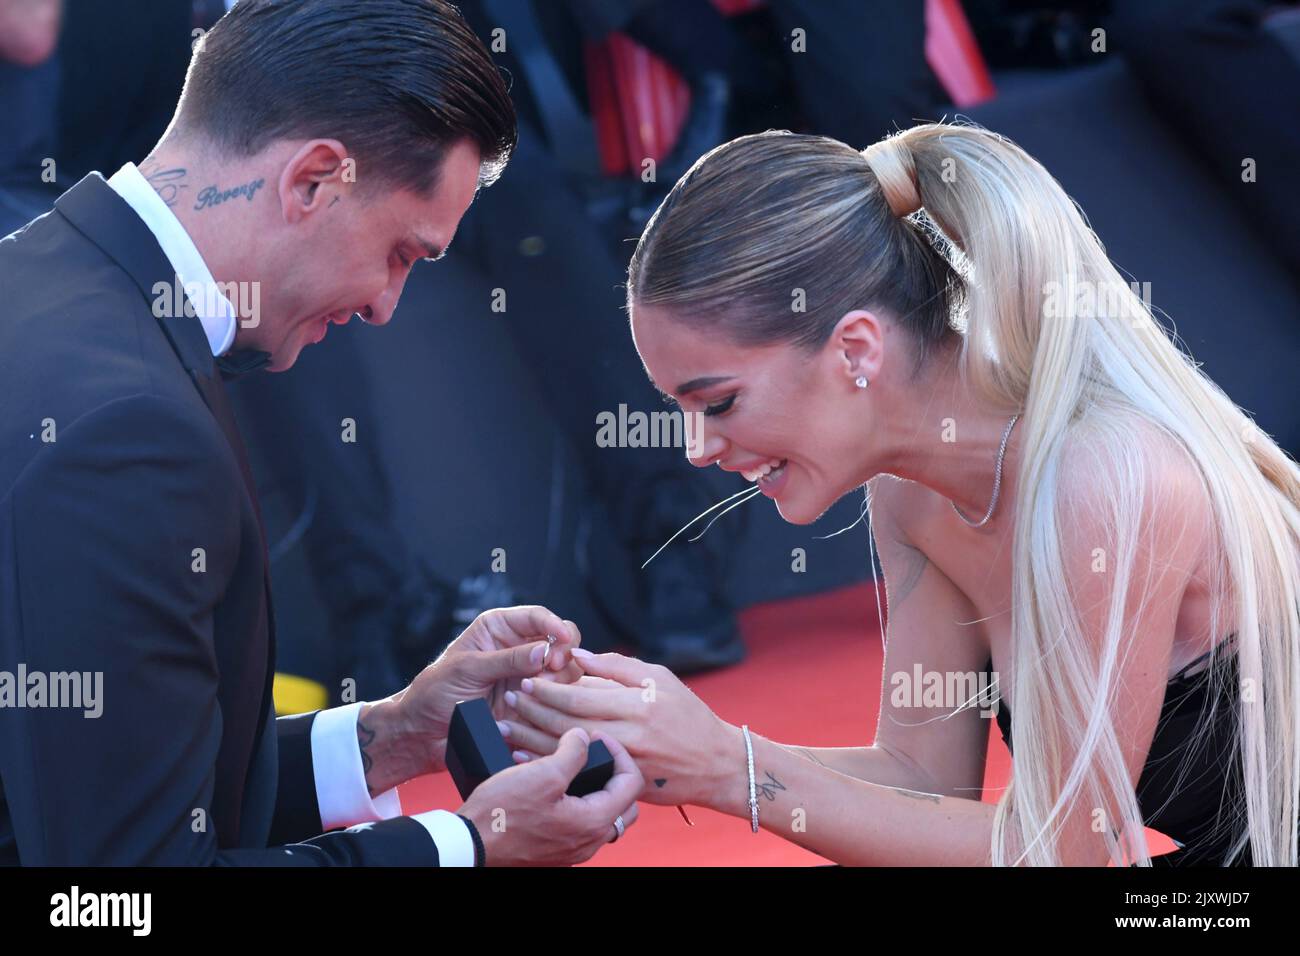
(769, 787)
(365, 737)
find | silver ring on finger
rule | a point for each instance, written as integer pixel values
(619, 828)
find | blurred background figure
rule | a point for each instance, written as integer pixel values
(29, 90)
(413, 477)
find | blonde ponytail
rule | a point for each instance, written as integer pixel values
(1053, 330)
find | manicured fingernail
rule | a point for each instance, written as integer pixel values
(521, 756)
(504, 728)
(582, 653)
(512, 698)
(586, 738)
(526, 685)
(536, 654)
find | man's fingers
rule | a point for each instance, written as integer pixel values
(624, 786)
(488, 667)
(629, 817)
(527, 623)
(570, 755)
(560, 658)
(624, 765)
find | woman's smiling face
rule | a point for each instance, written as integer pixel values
(770, 408)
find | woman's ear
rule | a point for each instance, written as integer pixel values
(857, 343)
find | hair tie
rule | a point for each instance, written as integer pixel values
(891, 160)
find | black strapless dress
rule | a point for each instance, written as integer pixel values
(1193, 800)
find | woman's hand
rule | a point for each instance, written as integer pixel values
(684, 750)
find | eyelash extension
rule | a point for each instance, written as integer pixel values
(720, 407)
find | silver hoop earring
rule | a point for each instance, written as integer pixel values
(862, 382)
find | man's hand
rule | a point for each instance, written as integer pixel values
(525, 818)
(406, 734)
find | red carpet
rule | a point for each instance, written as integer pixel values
(812, 677)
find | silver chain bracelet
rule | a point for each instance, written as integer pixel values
(753, 789)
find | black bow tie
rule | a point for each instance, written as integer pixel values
(234, 364)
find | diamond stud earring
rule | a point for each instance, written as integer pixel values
(861, 382)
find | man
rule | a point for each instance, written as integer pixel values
(319, 149)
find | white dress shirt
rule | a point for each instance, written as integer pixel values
(341, 789)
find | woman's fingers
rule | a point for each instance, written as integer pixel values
(529, 739)
(588, 680)
(628, 671)
(543, 717)
(599, 703)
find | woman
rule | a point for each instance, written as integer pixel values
(1053, 485)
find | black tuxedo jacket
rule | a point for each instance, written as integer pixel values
(119, 459)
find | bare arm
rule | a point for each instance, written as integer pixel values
(858, 822)
(930, 749)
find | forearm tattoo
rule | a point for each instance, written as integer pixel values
(365, 737)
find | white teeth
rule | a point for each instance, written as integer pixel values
(763, 470)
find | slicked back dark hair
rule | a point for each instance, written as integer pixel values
(396, 81)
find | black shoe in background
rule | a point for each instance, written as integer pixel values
(691, 625)
(389, 645)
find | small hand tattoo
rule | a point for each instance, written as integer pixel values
(660, 781)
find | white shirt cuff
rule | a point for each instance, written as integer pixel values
(341, 790)
(451, 835)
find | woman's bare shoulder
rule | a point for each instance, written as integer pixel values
(898, 505)
(1097, 456)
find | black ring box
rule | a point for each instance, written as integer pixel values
(476, 750)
